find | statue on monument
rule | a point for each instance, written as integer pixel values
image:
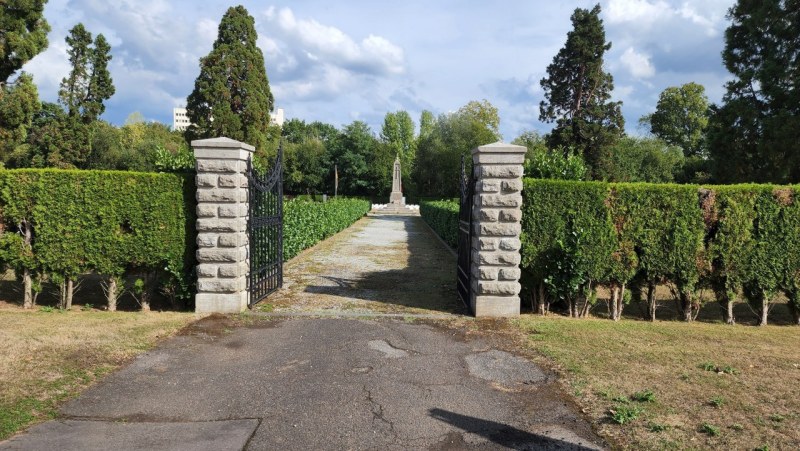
(396, 198)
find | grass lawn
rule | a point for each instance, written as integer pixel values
(48, 357)
(677, 385)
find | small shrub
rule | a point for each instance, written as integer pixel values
(717, 401)
(707, 366)
(622, 413)
(657, 427)
(730, 370)
(710, 429)
(87, 307)
(644, 396)
(47, 309)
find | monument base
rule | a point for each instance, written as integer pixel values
(397, 199)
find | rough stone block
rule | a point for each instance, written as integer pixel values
(511, 215)
(500, 171)
(511, 274)
(498, 288)
(221, 195)
(485, 272)
(484, 244)
(233, 211)
(217, 255)
(507, 186)
(488, 215)
(510, 244)
(223, 166)
(221, 225)
(498, 229)
(206, 211)
(232, 181)
(487, 186)
(233, 270)
(207, 239)
(221, 285)
(207, 180)
(499, 200)
(206, 270)
(232, 239)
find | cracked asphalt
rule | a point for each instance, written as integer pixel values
(257, 383)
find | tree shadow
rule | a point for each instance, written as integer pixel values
(503, 434)
(427, 279)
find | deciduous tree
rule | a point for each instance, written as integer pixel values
(681, 118)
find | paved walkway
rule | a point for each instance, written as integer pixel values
(259, 382)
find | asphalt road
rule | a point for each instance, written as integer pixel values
(318, 384)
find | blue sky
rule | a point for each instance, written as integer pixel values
(342, 61)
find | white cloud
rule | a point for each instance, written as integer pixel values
(638, 64)
(327, 44)
(636, 11)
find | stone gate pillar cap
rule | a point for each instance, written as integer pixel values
(500, 147)
(499, 153)
(222, 143)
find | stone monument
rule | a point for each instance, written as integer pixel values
(396, 198)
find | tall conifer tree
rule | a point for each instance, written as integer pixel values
(231, 96)
(578, 91)
(755, 135)
(23, 34)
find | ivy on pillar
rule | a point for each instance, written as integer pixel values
(221, 225)
(496, 244)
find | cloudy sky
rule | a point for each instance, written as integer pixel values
(356, 60)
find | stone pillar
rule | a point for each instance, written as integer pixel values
(221, 225)
(496, 215)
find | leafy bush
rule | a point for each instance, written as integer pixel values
(305, 223)
(442, 216)
(66, 223)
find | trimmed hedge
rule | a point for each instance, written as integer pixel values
(738, 240)
(442, 216)
(305, 223)
(64, 223)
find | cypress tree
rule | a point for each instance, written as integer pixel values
(231, 96)
(755, 135)
(89, 82)
(577, 94)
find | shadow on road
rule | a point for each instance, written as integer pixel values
(502, 434)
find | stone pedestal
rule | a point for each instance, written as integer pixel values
(496, 244)
(222, 241)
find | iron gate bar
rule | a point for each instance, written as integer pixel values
(464, 284)
(265, 229)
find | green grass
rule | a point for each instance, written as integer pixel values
(743, 371)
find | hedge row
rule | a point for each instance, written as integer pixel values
(56, 225)
(305, 223)
(442, 216)
(741, 240)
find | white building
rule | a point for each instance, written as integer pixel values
(180, 120)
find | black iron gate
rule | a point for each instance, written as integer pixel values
(265, 229)
(465, 235)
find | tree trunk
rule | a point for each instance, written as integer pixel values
(727, 309)
(27, 288)
(620, 302)
(651, 301)
(764, 312)
(69, 293)
(795, 309)
(544, 306)
(686, 305)
(111, 294)
(616, 300)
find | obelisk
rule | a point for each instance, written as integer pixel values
(396, 198)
